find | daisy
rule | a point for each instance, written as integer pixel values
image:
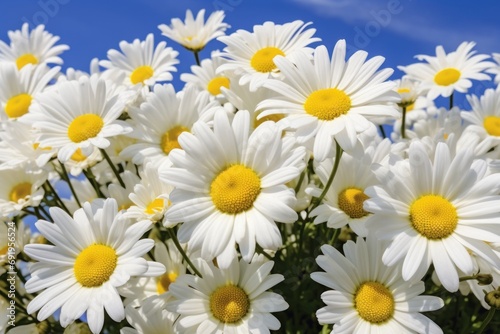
(35, 47)
(20, 189)
(141, 62)
(18, 89)
(194, 34)
(435, 210)
(122, 194)
(78, 115)
(92, 254)
(250, 54)
(150, 317)
(369, 297)
(445, 73)
(161, 119)
(79, 161)
(230, 187)
(496, 69)
(331, 99)
(232, 300)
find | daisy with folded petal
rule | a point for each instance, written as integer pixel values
(251, 54)
(369, 297)
(161, 119)
(331, 99)
(435, 210)
(445, 73)
(230, 187)
(142, 62)
(232, 300)
(20, 189)
(35, 47)
(194, 34)
(78, 115)
(18, 89)
(91, 255)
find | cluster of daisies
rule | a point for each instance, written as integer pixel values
(165, 210)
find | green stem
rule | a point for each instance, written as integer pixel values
(181, 250)
(67, 178)
(335, 236)
(41, 208)
(486, 321)
(56, 196)
(451, 101)
(338, 155)
(260, 250)
(91, 177)
(403, 123)
(382, 131)
(113, 167)
(301, 179)
(197, 57)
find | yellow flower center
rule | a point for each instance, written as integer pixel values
(374, 302)
(215, 85)
(26, 59)
(235, 189)
(169, 139)
(327, 104)
(164, 281)
(18, 105)
(433, 216)
(20, 191)
(403, 90)
(155, 206)
(95, 265)
(78, 156)
(447, 76)
(492, 125)
(351, 202)
(274, 117)
(229, 303)
(4, 250)
(84, 127)
(140, 74)
(262, 60)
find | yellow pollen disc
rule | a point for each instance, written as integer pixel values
(169, 139)
(164, 282)
(447, 76)
(433, 216)
(492, 125)
(4, 250)
(327, 104)
(26, 59)
(95, 265)
(141, 74)
(351, 202)
(235, 189)
(403, 90)
(262, 60)
(20, 191)
(155, 206)
(374, 302)
(18, 105)
(84, 127)
(78, 156)
(215, 85)
(229, 303)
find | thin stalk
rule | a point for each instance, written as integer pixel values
(335, 236)
(67, 178)
(197, 57)
(487, 320)
(382, 131)
(113, 167)
(403, 123)
(451, 101)
(181, 250)
(91, 177)
(41, 208)
(56, 196)
(301, 179)
(338, 155)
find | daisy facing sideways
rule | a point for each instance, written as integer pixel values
(436, 210)
(91, 255)
(369, 297)
(232, 300)
(231, 187)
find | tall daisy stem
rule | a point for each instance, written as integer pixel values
(338, 155)
(67, 179)
(451, 101)
(486, 321)
(56, 196)
(403, 123)
(382, 131)
(113, 167)
(197, 57)
(181, 250)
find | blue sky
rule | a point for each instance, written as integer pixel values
(395, 29)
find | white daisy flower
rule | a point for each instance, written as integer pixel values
(79, 161)
(161, 119)
(122, 194)
(35, 47)
(150, 317)
(250, 54)
(408, 89)
(78, 115)
(19, 189)
(496, 69)
(445, 73)
(230, 187)
(22, 236)
(434, 211)
(194, 34)
(232, 300)
(18, 89)
(331, 99)
(92, 254)
(368, 296)
(142, 62)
